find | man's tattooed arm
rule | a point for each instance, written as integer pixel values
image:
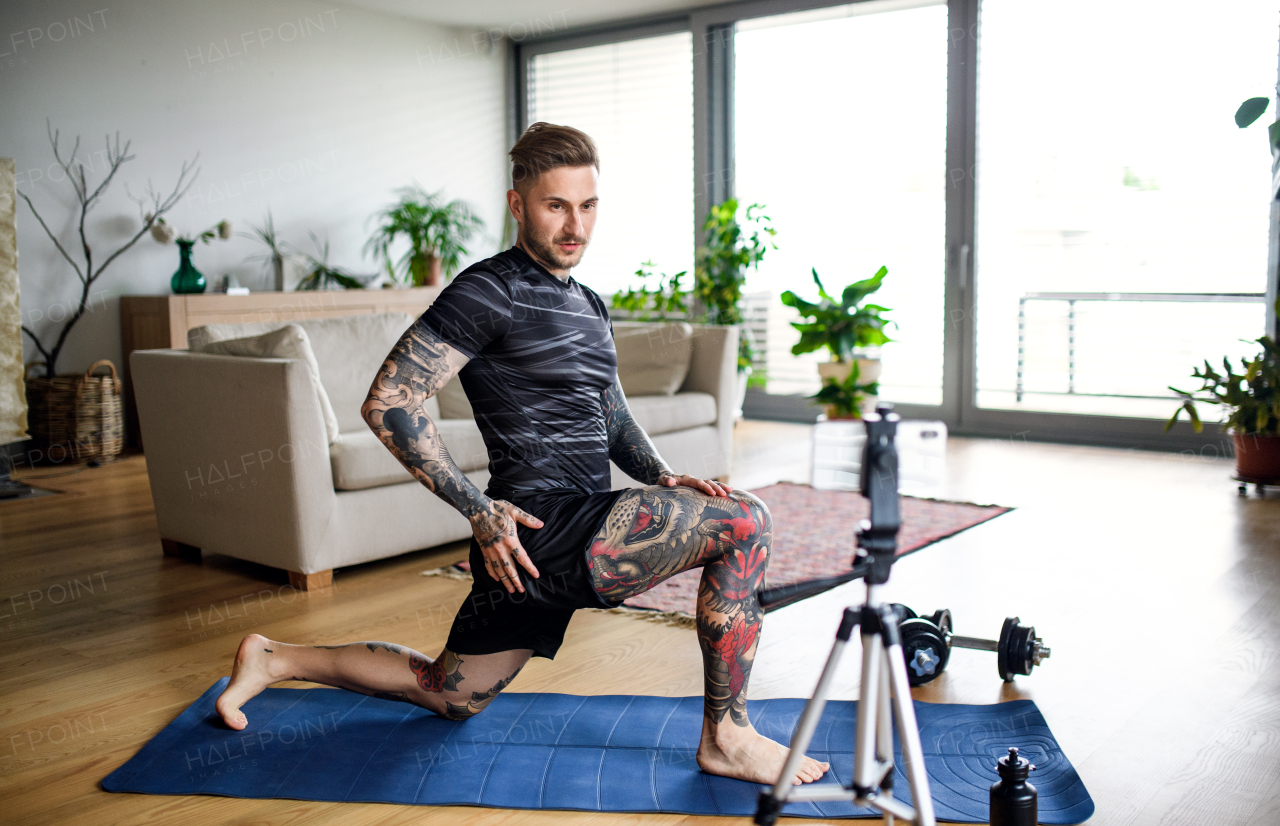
(414, 371)
(629, 446)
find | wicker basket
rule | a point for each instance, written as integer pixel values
(77, 416)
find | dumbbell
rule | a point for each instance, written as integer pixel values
(927, 644)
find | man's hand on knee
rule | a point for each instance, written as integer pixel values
(495, 531)
(709, 487)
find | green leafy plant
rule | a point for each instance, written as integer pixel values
(728, 250)
(1251, 399)
(844, 398)
(720, 265)
(437, 230)
(323, 273)
(1250, 111)
(842, 326)
(666, 300)
(267, 235)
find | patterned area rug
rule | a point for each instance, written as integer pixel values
(812, 537)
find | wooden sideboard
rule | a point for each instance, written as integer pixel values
(149, 322)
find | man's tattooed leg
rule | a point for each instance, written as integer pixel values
(438, 675)
(393, 672)
(654, 533)
(478, 700)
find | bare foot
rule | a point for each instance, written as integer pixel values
(745, 754)
(250, 674)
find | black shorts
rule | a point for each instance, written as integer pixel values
(492, 620)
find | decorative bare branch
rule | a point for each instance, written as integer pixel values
(151, 206)
(52, 237)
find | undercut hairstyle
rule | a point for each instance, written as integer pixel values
(545, 146)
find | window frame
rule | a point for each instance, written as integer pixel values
(712, 30)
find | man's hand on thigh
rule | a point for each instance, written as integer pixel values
(708, 486)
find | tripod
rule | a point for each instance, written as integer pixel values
(884, 696)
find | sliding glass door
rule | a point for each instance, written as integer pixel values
(841, 127)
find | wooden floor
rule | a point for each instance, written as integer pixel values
(1156, 586)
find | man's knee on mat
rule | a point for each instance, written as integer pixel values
(462, 707)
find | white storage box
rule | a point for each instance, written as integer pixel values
(837, 454)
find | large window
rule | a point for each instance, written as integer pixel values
(841, 126)
(1070, 218)
(1120, 209)
(635, 100)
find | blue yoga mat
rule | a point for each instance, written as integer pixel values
(612, 753)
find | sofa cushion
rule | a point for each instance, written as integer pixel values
(349, 351)
(454, 403)
(667, 414)
(287, 342)
(465, 444)
(653, 358)
(359, 460)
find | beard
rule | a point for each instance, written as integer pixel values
(545, 250)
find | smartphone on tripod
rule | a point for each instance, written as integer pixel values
(884, 696)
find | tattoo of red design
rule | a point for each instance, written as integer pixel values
(748, 568)
(732, 648)
(432, 675)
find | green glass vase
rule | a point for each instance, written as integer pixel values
(187, 279)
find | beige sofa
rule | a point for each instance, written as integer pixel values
(241, 461)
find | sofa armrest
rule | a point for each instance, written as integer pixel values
(714, 370)
(237, 454)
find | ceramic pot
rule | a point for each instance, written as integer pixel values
(1257, 457)
(424, 270)
(868, 370)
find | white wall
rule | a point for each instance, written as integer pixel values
(314, 110)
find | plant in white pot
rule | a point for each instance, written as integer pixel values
(848, 397)
(852, 331)
(1251, 402)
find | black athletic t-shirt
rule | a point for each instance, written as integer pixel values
(542, 355)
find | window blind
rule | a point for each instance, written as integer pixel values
(635, 100)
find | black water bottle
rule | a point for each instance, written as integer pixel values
(1013, 799)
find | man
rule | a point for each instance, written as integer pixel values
(534, 351)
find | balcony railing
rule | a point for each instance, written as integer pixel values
(1073, 298)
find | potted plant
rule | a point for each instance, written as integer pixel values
(284, 267)
(851, 331)
(1251, 402)
(846, 398)
(324, 275)
(436, 230)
